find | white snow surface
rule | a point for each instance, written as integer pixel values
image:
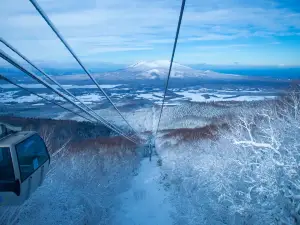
(152, 70)
(91, 98)
(146, 203)
(151, 96)
(9, 97)
(184, 95)
(145, 65)
(67, 86)
(198, 97)
(159, 69)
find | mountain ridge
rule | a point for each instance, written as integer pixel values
(156, 70)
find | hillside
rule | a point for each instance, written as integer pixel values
(88, 168)
(218, 163)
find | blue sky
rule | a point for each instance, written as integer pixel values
(221, 32)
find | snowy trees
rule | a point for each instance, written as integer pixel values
(268, 161)
(83, 183)
(81, 188)
(248, 175)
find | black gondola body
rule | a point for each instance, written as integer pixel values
(24, 162)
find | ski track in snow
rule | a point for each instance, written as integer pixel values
(146, 203)
(153, 120)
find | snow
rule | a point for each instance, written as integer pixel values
(144, 65)
(105, 86)
(89, 98)
(151, 96)
(146, 203)
(69, 86)
(154, 71)
(38, 104)
(193, 96)
(110, 85)
(166, 104)
(253, 98)
(155, 95)
(159, 69)
(9, 97)
(198, 97)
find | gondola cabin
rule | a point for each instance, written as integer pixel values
(24, 162)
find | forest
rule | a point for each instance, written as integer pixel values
(220, 163)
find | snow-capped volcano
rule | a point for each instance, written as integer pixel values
(164, 64)
(159, 69)
(156, 70)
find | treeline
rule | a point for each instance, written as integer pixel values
(59, 131)
(89, 168)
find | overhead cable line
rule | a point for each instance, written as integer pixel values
(46, 84)
(55, 30)
(53, 80)
(171, 63)
(40, 96)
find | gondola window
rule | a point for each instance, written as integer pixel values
(32, 154)
(6, 166)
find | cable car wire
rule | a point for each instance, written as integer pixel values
(2, 77)
(53, 80)
(41, 71)
(171, 63)
(55, 30)
(40, 80)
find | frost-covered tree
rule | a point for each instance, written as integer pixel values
(82, 184)
(249, 174)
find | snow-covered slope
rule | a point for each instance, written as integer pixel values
(159, 69)
(147, 201)
(164, 64)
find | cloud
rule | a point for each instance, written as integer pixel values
(213, 37)
(96, 27)
(117, 49)
(215, 47)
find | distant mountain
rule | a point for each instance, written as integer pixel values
(159, 70)
(156, 70)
